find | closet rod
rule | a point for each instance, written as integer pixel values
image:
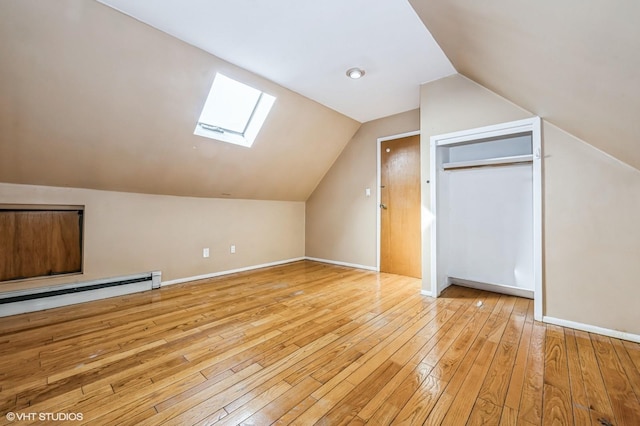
(489, 162)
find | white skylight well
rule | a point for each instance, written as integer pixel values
(233, 112)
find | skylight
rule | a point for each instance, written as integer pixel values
(233, 112)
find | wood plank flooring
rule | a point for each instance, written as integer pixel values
(309, 343)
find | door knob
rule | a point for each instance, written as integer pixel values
(383, 206)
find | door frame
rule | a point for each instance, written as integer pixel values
(532, 125)
(378, 182)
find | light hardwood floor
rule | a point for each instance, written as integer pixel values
(309, 343)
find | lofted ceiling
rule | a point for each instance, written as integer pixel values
(93, 98)
(574, 63)
(307, 46)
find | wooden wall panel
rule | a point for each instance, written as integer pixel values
(39, 243)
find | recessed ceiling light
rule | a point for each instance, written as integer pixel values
(355, 73)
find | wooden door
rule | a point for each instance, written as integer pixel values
(400, 233)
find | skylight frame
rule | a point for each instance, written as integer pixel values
(253, 124)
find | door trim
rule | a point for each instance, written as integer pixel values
(378, 181)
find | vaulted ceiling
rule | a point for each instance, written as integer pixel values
(92, 98)
(576, 63)
(307, 46)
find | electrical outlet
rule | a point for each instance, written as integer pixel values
(205, 252)
(233, 248)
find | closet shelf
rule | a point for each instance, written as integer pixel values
(499, 161)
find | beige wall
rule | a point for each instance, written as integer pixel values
(592, 233)
(340, 219)
(591, 209)
(128, 233)
(575, 63)
(448, 105)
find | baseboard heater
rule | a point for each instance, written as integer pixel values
(21, 301)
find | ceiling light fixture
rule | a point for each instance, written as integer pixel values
(355, 73)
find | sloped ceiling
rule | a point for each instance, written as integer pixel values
(92, 98)
(307, 46)
(575, 63)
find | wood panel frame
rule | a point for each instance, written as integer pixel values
(53, 247)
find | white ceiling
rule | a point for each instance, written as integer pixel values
(307, 46)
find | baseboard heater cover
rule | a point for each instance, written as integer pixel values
(21, 301)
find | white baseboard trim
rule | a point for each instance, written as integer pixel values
(593, 329)
(496, 288)
(230, 271)
(426, 293)
(336, 262)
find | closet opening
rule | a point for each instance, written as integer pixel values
(486, 199)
